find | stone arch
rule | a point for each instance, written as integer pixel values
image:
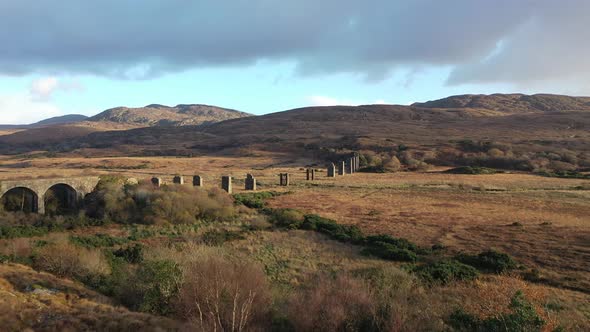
(61, 199)
(20, 198)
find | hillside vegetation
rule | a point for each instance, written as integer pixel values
(156, 115)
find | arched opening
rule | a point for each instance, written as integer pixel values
(61, 199)
(20, 199)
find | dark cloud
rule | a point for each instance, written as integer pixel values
(484, 41)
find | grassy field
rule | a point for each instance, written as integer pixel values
(540, 221)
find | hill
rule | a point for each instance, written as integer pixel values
(157, 115)
(486, 134)
(69, 118)
(512, 103)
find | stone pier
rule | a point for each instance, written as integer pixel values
(331, 170)
(250, 182)
(284, 179)
(310, 172)
(157, 182)
(226, 183)
(341, 168)
(197, 181)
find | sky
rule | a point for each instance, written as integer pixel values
(262, 56)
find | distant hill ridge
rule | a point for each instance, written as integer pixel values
(512, 103)
(179, 115)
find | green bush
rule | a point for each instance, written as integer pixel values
(158, 281)
(287, 218)
(342, 233)
(489, 261)
(11, 232)
(397, 242)
(445, 271)
(131, 254)
(471, 170)
(98, 240)
(216, 237)
(254, 200)
(521, 318)
(390, 252)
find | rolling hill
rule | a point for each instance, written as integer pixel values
(157, 115)
(542, 121)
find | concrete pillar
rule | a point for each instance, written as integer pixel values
(250, 182)
(226, 183)
(341, 168)
(156, 182)
(284, 179)
(197, 181)
(179, 179)
(331, 170)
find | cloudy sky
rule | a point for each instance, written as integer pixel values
(260, 56)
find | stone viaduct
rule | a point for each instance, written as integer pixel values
(74, 188)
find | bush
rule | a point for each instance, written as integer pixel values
(66, 260)
(445, 271)
(97, 241)
(342, 233)
(287, 218)
(254, 200)
(216, 237)
(340, 304)
(390, 252)
(489, 261)
(158, 281)
(521, 318)
(131, 254)
(397, 242)
(471, 170)
(11, 232)
(217, 294)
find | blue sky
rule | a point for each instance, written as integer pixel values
(262, 56)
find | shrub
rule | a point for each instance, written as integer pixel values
(158, 281)
(131, 254)
(445, 271)
(216, 237)
(390, 252)
(287, 218)
(397, 242)
(11, 232)
(342, 233)
(217, 294)
(521, 318)
(66, 260)
(254, 200)
(471, 170)
(340, 304)
(97, 240)
(489, 261)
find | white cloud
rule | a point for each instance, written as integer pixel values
(23, 109)
(43, 88)
(318, 100)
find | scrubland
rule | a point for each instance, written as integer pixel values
(409, 251)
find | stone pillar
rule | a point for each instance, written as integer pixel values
(341, 167)
(226, 183)
(357, 158)
(331, 170)
(350, 165)
(284, 179)
(40, 204)
(197, 181)
(179, 179)
(310, 172)
(250, 182)
(156, 181)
